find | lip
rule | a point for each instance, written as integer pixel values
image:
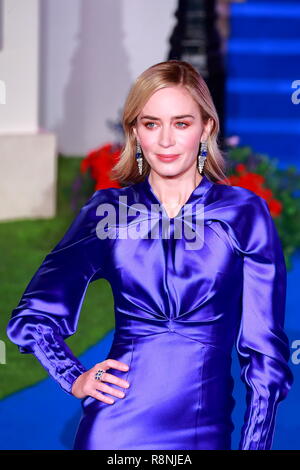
(169, 157)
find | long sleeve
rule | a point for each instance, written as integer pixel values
(262, 345)
(49, 309)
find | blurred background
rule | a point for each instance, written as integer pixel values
(65, 70)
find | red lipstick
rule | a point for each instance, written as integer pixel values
(167, 157)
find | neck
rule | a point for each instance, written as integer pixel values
(174, 191)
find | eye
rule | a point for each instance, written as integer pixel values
(149, 126)
(184, 124)
(180, 124)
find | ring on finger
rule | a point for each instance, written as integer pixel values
(99, 374)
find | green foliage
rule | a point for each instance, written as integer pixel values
(285, 186)
(24, 244)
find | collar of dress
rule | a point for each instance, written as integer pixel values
(148, 196)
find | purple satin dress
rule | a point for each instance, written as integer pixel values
(178, 313)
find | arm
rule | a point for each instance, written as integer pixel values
(49, 309)
(262, 345)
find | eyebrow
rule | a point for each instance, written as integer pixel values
(153, 118)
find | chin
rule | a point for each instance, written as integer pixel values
(169, 174)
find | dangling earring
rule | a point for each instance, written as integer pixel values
(202, 156)
(139, 157)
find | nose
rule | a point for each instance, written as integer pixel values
(166, 137)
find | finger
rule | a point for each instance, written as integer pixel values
(107, 377)
(113, 363)
(99, 396)
(111, 390)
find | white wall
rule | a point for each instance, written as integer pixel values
(19, 66)
(91, 51)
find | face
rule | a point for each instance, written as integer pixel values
(171, 124)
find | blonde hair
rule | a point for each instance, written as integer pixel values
(156, 77)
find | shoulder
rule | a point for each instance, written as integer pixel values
(241, 199)
(233, 191)
(245, 214)
(108, 195)
(102, 197)
(84, 224)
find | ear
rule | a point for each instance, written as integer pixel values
(207, 129)
(134, 131)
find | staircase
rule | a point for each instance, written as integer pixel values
(263, 61)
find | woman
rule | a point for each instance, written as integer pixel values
(195, 267)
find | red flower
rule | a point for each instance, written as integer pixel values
(240, 168)
(100, 161)
(275, 207)
(254, 182)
